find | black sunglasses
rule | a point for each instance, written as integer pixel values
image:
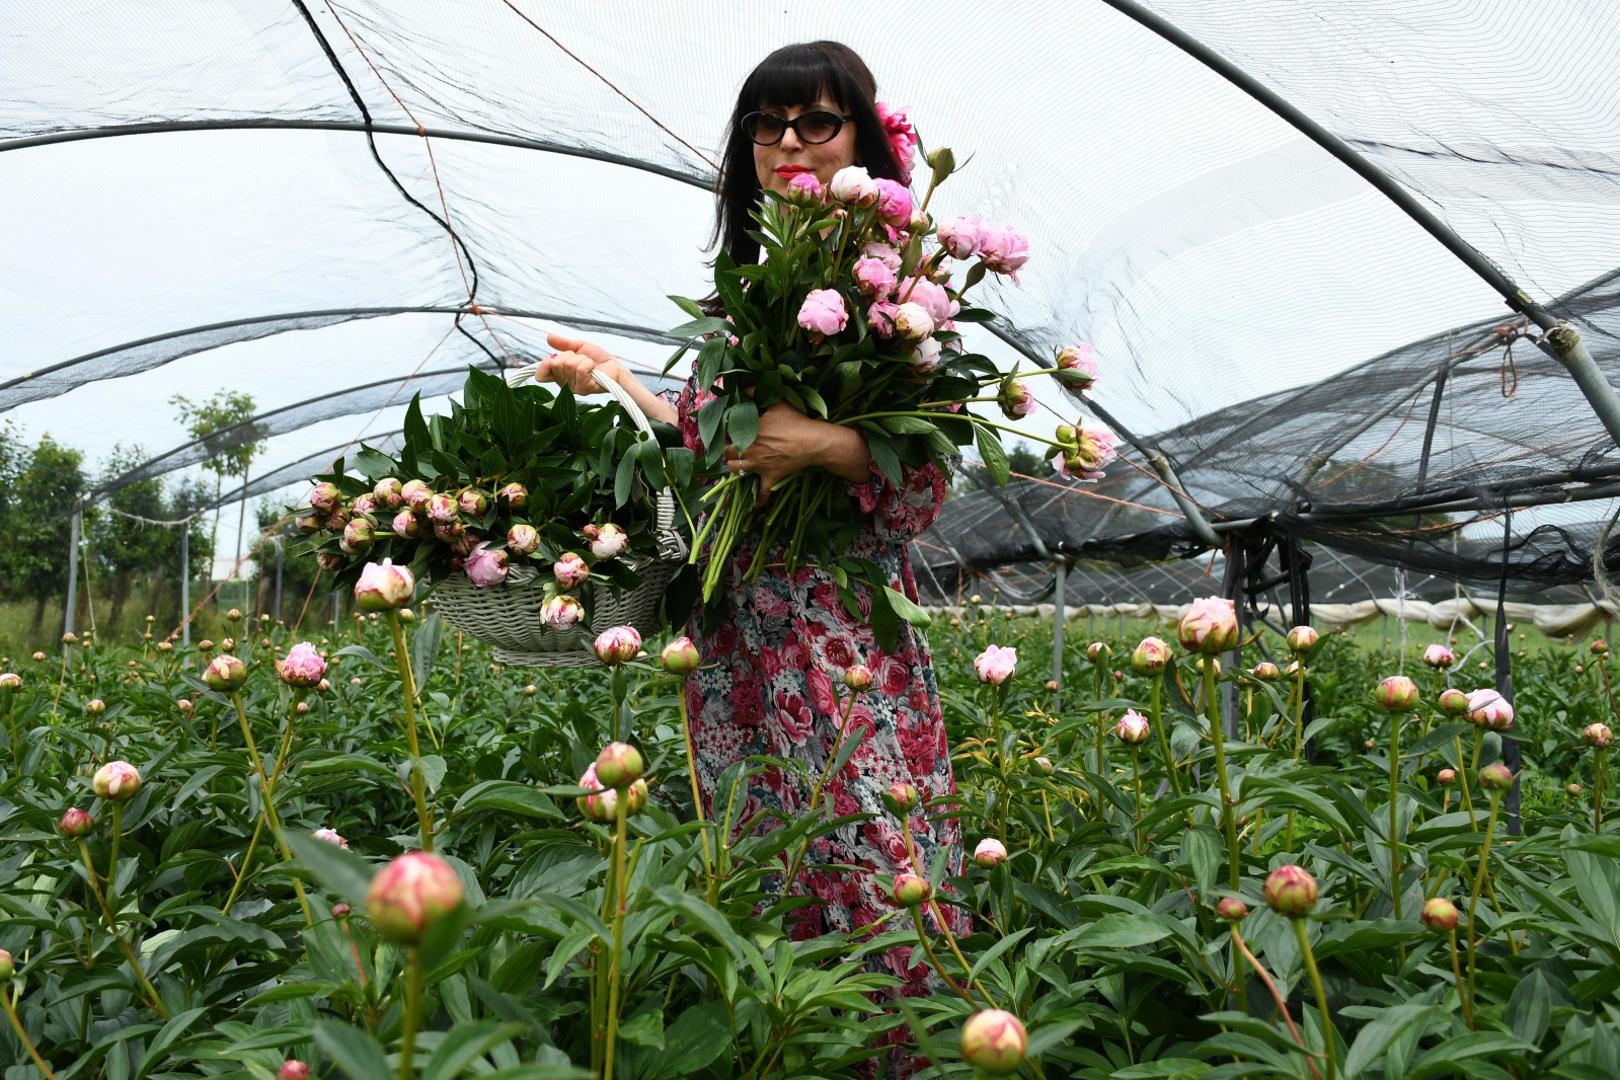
(814, 127)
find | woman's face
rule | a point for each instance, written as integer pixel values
(777, 164)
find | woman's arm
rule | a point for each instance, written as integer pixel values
(575, 358)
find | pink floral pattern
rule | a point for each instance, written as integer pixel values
(772, 684)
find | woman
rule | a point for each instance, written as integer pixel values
(784, 641)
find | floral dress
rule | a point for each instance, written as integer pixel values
(771, 684)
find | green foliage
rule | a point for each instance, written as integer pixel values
(37, 521)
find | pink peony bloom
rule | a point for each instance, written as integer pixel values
(617, 645)
(854, 185)
(1016, 399)
(570, 570)
(331, 836)
(894, 202)
(886, 254)
(562, 612)
(880, 318)
(996, 664)
(384, 586)
(873, 278)
(412, 893)
(1003, 250)
(1088, 459)
(1489, 709)
(522, 539)
(805, 189)
(960, 235)
(933, 298)
(823, 312)
(607, 540)
(486, 566)
(1132, 728)
(1077, 370)
(902, 137)
(913, 322)
(116, 781)
(1438, 656)
(1210, 626)
(304, 666)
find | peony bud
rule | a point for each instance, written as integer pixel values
(441, 509)
(1454, 702)
(76, 823)
(473, 502)
(680, 657)
(1291, 891)
(900, 798)
(1599, 647)
(994, 1041)
(854, 185)
(406, 525)
(1266, 671)
(1396, 694)
(912, 321)
(340, 910)
(304, 666)
(1016, 399)
(415, 493)
(1573, 789)
(607, 540)
(331, 836)
(39, 657)
(910, 891)
(329, 560)
(1439, 914)
(384, 586)
(1098, 651)
(635, 796)
(1496, 777)
(1076, 369)
(8, 967)
(562, 612)
(1210, 626)
(292, 1068)
(364, 505)
(1201, 662)
(617, 645)
(1150, 656)
(618, 764)
(1446, 777)
(389, 492)
(570, 570)
(1043, 766)
(308, 524)
(116, 781)
(412, 893)
(601, 805)
(1132, 728)
(858, 677)
(324, 497)
(95, 706)
(358, 536)
(529, 690)
(1439, 657)
(225, 673)
(522, 539)
(996, 664)
(1302, 639)
(1489, 709)
(990, 853)
(486, 566)
(1232, 909)
(1597, 735)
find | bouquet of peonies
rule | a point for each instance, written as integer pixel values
(512, 476)
(853, 318)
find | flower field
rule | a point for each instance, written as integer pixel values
(205, 868)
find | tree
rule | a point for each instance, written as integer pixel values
(38, 520)
(224, 425)
(123, 541)
(278, 527)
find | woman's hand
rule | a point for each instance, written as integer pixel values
(571, 365)
(789, 442)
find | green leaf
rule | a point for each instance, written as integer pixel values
(688, 306)
(647, 1030)
(1121, 931)
(356, 1053)
(995, 458)
(465, 1044)
(907, 610)
(508, 797)
(1374, 1039)
(159, 1047)
(432, 767)
(742, 424)
(342, 873)
(623, 477)
(425, 648)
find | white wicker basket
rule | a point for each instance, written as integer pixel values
(508, 615)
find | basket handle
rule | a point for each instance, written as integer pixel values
(522, 376)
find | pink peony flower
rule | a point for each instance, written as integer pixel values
(990, 852)
(570, 570)
(1150, 656)
(913, 321)
(384, 586)
(805, 189)
(406, 525)
(1210, 626)
(894, 202)
(1438, 656)
(823, 312)
(441, 509)
(901, 135)
(886, 254)
(304, 666)
(925, 356)
(880, 318)
(873, 278)
(996, 664)
(1132, 728)
(1016, 399)
(486, 566)
(960, 235)
(1291, 891)
(1003, 250)
(562, 612)
(1089, 458)
(994, 1041)
(1076, 369)
(854, 185)
(522, 539)
(116, 781)
(933, 298)
(331, 836)
(412, 893)
(1489, 709)
(607, 540)
(617, 645)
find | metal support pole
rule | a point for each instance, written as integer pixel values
(185, 584)
(1060, 615)
(337, 611)
(75, 530)
(1504, 673)
(281, 552)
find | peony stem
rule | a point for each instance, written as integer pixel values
(922, 936)
(815, 793)
(112, 925)
(1282, 1003)
(1328, 1048)
(413, 1010)
(697, 792)
(1479, 883)
(1462, 989)
(1462, 782)
(408, 682)
(268, 791)
(1394, 816)
(1600, 770)
(1228, 818)
(621, 814)
(28, 1044)
(1164, 737)
(1136, 775)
